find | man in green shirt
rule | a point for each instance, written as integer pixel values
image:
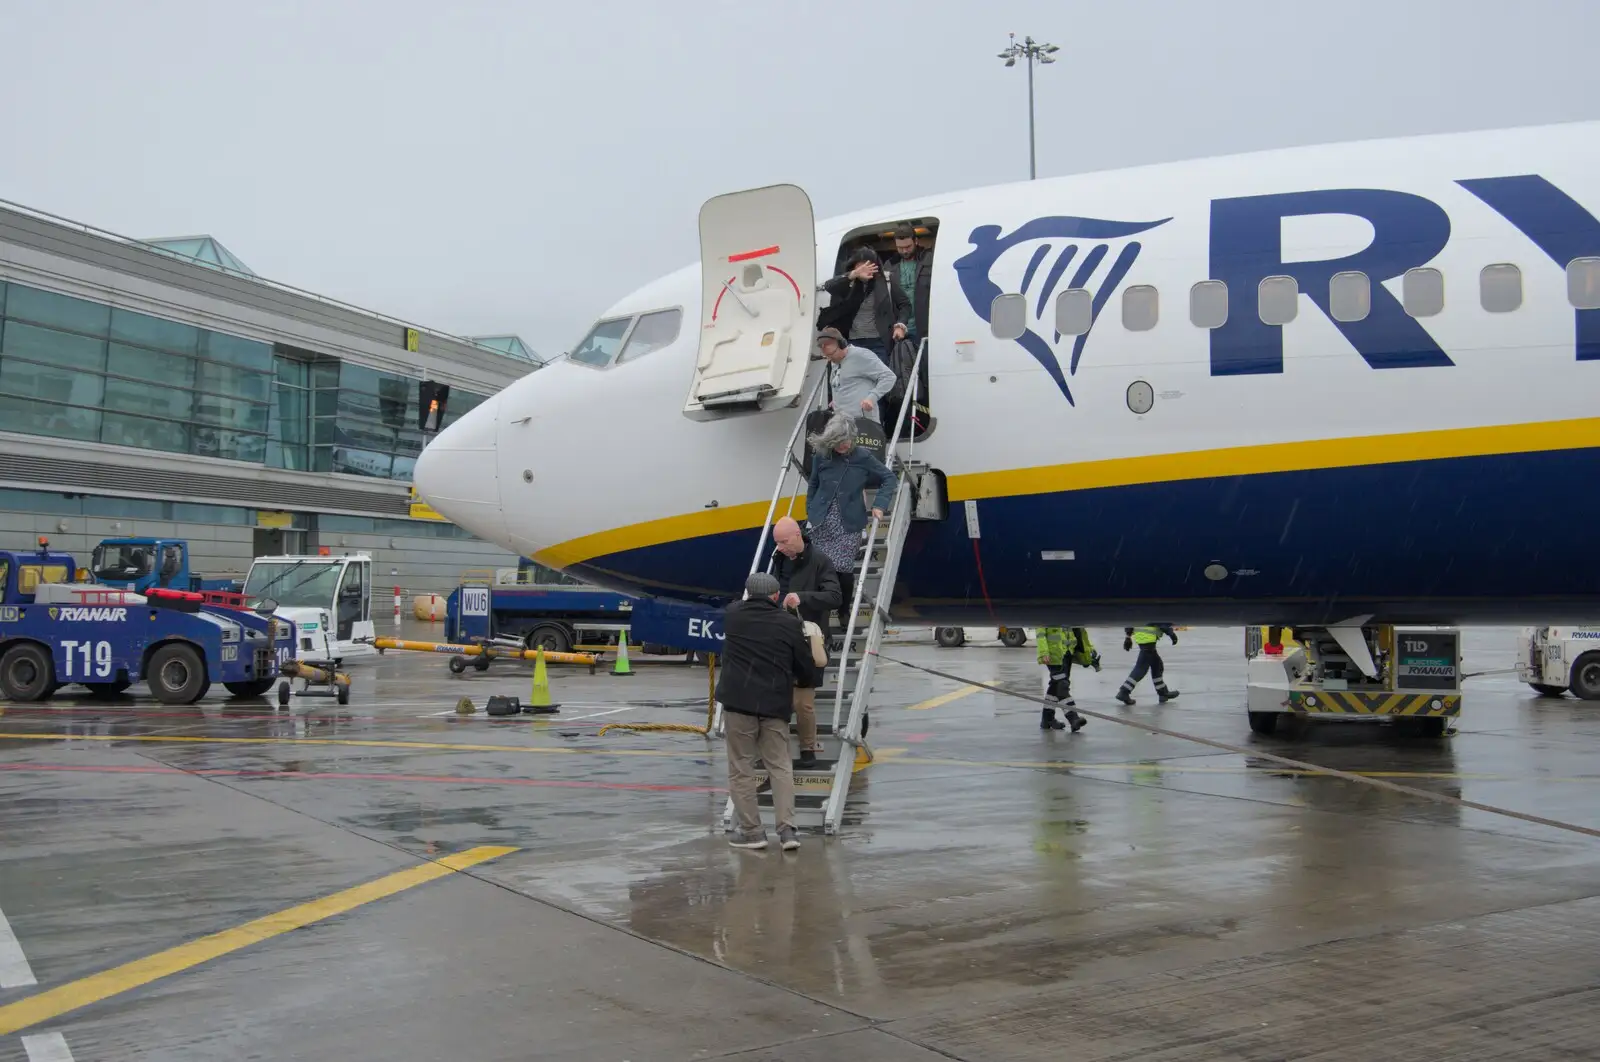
(910, 269)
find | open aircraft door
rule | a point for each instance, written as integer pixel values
(758, 284)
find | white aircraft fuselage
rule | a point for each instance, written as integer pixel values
(1354, 461)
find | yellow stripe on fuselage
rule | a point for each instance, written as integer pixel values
(1132, 471)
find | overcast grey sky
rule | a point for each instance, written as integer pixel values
(515, 166)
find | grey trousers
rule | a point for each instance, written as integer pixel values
(751, 737)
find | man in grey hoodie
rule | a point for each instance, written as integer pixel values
(857, 379)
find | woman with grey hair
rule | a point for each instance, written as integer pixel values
(840, 471)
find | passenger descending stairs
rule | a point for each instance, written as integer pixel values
(822, 792)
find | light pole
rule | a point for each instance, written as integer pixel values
(1034, 52)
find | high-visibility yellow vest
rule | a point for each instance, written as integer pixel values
(1146, 635)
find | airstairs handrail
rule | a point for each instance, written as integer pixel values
(900, 513)
(785, 468)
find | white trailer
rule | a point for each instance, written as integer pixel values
(1554, 660)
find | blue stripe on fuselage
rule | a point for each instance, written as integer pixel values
(1470, 539)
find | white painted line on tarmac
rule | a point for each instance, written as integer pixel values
(14, 969)
(597, 715)
(47, 1047)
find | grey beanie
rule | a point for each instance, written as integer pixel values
(761, 584)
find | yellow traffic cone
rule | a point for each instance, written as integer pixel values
(622, 667)
(539, 700)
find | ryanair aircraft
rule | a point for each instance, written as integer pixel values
(1290, 387)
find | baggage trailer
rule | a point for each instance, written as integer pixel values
(56, 633)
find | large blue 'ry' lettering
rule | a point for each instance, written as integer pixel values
(1247, 247)
(1557, 224)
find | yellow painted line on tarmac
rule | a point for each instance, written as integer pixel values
(44, 1006)
(943, 699)
(349, 742)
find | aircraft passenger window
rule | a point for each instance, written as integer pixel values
(1008, 316)
(600, 345)
(1141, 307)
(1583, 283)
(1422, 291)
(1349, 296)
(654, 331)
(1278, 300)
(1500, 287)
(1208, 304)
(1074, 312)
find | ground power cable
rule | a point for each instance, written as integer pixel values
(1239, 750)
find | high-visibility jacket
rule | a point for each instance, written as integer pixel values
(1150, 633)
(1058, 643)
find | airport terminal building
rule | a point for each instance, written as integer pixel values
(160, 388)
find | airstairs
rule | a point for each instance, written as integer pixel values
(822, 792)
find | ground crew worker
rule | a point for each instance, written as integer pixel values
(1059, 648)
(1146, 638)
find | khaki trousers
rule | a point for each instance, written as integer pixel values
(748, 738)
(805, 718)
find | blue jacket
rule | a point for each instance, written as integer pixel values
(845, 478)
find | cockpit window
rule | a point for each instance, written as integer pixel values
(600, 345)
(654, 331)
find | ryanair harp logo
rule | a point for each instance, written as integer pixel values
(1034, 260)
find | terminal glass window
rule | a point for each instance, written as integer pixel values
(1141, 307)
(1278, 300)
(1422, 291)
(602, 342)
(1349, 296)
(1500, 287)
(1208, 304)
(653, 332)
(1074, 312)
(1583, 283)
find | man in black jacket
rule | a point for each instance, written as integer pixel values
(910, 269)
(764, 655)
(810, 585)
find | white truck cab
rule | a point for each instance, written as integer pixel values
(1554, 660)
(329, 599)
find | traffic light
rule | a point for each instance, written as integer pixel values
(431, 399)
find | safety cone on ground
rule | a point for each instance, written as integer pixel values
(539, 700)
(622, 667)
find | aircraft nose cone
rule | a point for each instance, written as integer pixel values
(456, 473)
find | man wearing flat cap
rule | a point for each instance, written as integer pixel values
(764, 654)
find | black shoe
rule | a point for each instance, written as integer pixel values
(1122, 695)
(1076, 720)
(808, 760)
(1048, 721)
(1170, 695)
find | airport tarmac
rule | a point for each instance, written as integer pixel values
(386, 880)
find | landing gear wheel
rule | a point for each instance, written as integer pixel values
(284, 693)
(949, 637)
(1264, 723)
(27, 673)
(1586, 677)
(177, 674)
(1013, 637)
(104, 691)
(254, 688)
(1545, 690)
(458, 664)
(549, 637)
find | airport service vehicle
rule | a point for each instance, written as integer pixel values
(329, 599)
(137, 564)
(1554, 660)
(56, 633)
(1286, 387)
